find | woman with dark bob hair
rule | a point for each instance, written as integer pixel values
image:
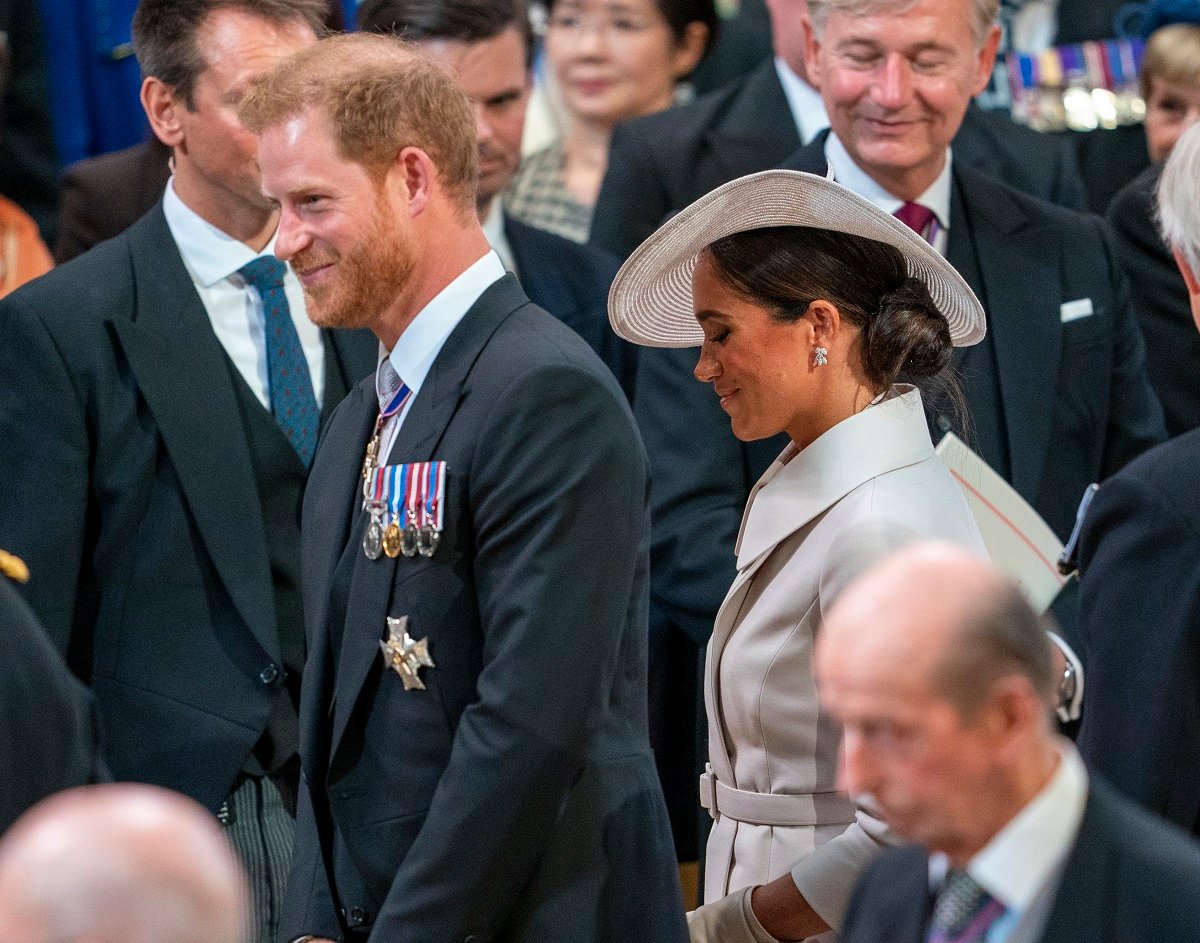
(818, 315)
(612, 60)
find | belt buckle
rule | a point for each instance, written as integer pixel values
(708, 791)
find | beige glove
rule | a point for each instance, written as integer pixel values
(728, 920)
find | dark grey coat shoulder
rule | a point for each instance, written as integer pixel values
(1139, 621)
(1129, 877)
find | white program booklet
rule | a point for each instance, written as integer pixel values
(1019, 542)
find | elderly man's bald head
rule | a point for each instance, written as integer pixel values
(940, 675)
(948, 617)
(120, 864)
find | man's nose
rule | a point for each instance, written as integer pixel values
(291, 235)
(894, 85)
(853, 776)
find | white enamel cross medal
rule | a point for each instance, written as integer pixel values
(404, 654)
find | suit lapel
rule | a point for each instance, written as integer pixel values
(975, 147)
(427, 419)
(184, 376)
(810, 158)
(758, 131)
(332, 508)
(1023, 314)
(1083, 905)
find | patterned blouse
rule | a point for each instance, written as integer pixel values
(538, 196)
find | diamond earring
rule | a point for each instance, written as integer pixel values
(820, 356)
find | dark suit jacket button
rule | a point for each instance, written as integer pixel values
(357, 917)
(268, 674)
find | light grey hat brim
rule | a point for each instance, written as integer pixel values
(650, 302)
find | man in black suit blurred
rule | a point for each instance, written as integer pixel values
(1139, 556)
(48, 728)
(28, 155)
(939, 674)
(1160, 300)
(488, 44)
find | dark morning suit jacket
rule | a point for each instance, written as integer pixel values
(1140, 627)
(514, 799)
(1160, 301)
(1130, 878)
(48, 732)
(661, 163)
(129, 489)
(103, 196)
(571, 281)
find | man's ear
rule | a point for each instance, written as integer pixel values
(415, 175)
(986, 62)
(163, 108)
(1189, 276)
(812, 49)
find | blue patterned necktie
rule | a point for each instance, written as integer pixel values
(292, 400)
(963, 912)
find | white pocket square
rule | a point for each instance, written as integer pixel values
(1074, 310)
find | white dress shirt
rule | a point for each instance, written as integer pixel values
(804, 102)
(850, 175)
(212, 259)
(418, 346)
(1022, 865)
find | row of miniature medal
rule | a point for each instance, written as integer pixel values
(405, 502)
(406, 505)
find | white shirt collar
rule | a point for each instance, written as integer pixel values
(493, 231)
(1016, 864)
(420, 343)
(209, 254)
(850, 175)
(804, 102)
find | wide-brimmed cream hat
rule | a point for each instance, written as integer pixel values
(650, 302)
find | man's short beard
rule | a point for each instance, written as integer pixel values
(368, 277)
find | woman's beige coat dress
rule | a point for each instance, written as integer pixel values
(815, 520)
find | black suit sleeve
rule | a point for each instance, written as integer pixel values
(633, 199)
(1140, 623)
(44, 500)
(557, 493)
(700, 484)
(48, 731)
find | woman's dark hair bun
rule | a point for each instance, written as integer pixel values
(908, 339)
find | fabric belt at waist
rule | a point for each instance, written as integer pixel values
(763, 808)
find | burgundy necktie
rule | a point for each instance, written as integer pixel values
(921, 219)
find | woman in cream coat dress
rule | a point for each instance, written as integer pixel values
(820, 316)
